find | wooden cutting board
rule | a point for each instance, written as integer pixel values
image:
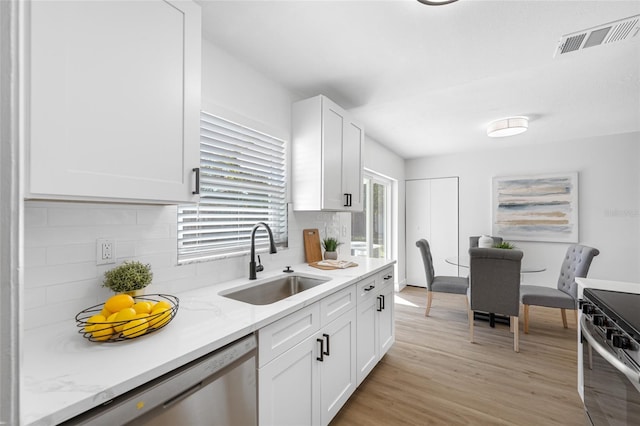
(312, 250)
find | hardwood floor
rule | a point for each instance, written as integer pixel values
(433, 376)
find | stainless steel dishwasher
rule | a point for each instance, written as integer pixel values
(216, 389)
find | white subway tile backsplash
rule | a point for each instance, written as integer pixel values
(61, 275)
(71, 253)
(35, 216)
(58, 274)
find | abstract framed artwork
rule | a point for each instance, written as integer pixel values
(536, 208)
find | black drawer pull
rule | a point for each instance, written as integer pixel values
(327, 337)
(321, 357)
(371, 287)
(379, 307)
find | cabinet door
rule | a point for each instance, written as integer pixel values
(367, 338)
(352, 147)
(288, 387)
(332, 134)
(385, 309)
(114, 100)
(338, 369)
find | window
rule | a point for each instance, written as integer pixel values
(242, 182)
(371, 229)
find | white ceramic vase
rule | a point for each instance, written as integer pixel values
(485, 241)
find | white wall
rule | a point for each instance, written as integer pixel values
(61, 276)
(609, 198)
(385, 162)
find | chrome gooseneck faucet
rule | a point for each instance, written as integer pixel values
(253, 269)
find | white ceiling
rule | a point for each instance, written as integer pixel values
(426, 80)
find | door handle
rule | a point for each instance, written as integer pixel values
(321, 357)
(347, 200)
(326, 336)
(382, 300)
(379, 307)
(196, 170)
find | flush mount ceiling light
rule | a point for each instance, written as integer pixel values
(436, 2)
(507, 127)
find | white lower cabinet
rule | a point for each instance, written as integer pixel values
(376, 332)
(311, 361)
(308, 383)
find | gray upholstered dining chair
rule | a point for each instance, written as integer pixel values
(473, 241)
(442, 283)
(576, 264)
(494, 285)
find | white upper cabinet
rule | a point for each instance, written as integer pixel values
(112, 99)
(326, 157)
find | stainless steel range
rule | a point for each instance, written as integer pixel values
(611, 357)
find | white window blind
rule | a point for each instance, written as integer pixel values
(242, 182)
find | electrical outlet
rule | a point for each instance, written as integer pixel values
(105, 252)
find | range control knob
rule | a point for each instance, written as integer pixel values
(620, 341)
(588, 309)
(598, 320)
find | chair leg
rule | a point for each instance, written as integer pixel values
(515, 326)
(429, 298)
(564, 317)
(469, 312)
(526, 319)
(470, 326)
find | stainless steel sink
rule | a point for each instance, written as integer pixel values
(274, 290)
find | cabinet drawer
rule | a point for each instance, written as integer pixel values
(367, 288)
(282, 335)
(385, 277)
(333, 306)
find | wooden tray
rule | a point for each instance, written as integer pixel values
(328, 267)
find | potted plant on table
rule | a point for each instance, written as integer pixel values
(330, 246)
(130, 277)
(505, 245)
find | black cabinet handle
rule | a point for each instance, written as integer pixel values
(321, 357)
(388, 277)
(196, 170)
(347, 200)
(326, 336)
(382, 299)
(379, 307)
(371, 287)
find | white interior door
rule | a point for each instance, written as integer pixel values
(431, 213)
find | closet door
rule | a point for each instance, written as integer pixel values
(431, 213)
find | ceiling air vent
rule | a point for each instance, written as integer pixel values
(612, 32)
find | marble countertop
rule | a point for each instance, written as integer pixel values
(64, 374)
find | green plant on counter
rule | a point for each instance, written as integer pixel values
(330, 244)
(505, 245)
(130, 276)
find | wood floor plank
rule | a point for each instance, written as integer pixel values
(433, 375)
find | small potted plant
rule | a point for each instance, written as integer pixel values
(330, 246)
(505, 245)
(130, 277)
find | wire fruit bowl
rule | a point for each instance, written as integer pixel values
(116, 331)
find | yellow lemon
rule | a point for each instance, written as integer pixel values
(112, 317)
(102, 332)
(142, 307)
(161, 304)
(105, 313)
(92, 321)
(134, 328)
(124, 315)
(118, 302)
(159, 317)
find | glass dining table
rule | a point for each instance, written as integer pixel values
(463, 262)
